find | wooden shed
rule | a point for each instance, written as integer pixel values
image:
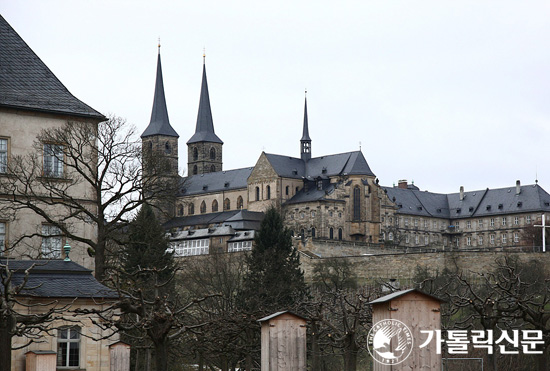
(119, 356)
(283, 342)
(418, 311)
(41, 360)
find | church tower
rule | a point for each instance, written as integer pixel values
(160, 151)
(305, 142)
(204, 149)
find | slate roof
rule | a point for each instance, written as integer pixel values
(204, 131)
(501, 201)
(56, 279)
(246, 220)
(160, 123)
(215, 182)
(311, 193)
(350, 163)
(194, 234)
(305, 132)
(27, 83)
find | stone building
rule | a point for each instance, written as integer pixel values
(32, 99)
(485, 218)
(333, 197)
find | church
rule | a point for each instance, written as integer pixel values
(332, 197)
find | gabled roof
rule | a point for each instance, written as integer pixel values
(488, 202)
(160, 123)
(204, 131)
(397, 294)
(350, 163)
(56, 279)
(27, 83)
(274, 315)
(216, 181)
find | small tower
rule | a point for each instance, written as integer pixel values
(305, 142)
(160, 151)
(204, 149)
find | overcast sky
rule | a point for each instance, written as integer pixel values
(442, 93)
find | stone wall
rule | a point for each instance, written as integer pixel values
(402, 266)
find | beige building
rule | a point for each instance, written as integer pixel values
(32, 99)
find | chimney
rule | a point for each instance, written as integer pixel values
(402, 184)
(461, 193)
(518, 187)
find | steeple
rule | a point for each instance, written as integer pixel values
(159, 124)
(204, 131)
(305, 142)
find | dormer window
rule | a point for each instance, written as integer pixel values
(488, 207)
(520, 203)
(500, 206)
(324, 171)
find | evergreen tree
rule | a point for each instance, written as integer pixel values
(274, 280)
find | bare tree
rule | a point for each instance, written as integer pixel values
(30, 320)
(96, 180)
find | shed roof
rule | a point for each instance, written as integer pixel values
(397, 294)
(274, 315)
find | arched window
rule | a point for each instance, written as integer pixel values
(356, 203)
(291, 233)
(150, 146)
(203, 207)
(214, 206)
(257, 193)
(287, 190)
(390, 236)
(195, 170)
(331, 233)
(340, 234)
(180, 210)
(302, 233)
(313, 232)
(239, 203)
(296, 189)
(212, 153)
(191, 209)
(226, 204)
(268, 191)
(195, 154)
(212, 168)
(167, 147)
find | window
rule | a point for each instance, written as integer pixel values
(480, 240)
(407, 238)
(528, 219)
(203, 207)
(180, 210)
(302, 215)
(257, 193)
(268, 191)
(191, 209)
(239, 203)
(226, 204)
(468, 224)
(195, 154)
(516, 237)
(426, 240)
(214, 206)
(416, 239)
(53, 160)
(239, 246)
(492, 222)
(339, 215)
(340, 234)
(516, 220)
(191, 248)
(480, 223)
(425, 224)
(296, 189)
(2, 238)
(468, 241)
(313, 232)
(212, 153)
(51, 242)
(3, 155)
(331, 233)
(457, 240)
(390, 236)
(504, 221)
(302, 233)
(356, 203)
(435, 224)
(195, 170)
(286, 190)
(492, 239)
(406, 222)
(313, 213)
(68, 347)
(212, 169)
(167, 148)
(330, 213)
(416, 222)
(457, 225)
(504, 238)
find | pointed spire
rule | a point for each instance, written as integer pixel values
(204, 131)
(305, 142)
(159, 124)
(305, 134)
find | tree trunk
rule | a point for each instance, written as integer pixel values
(5, 346)
(315, 356)
(99, 257)
(161, 356)
(350, 355)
